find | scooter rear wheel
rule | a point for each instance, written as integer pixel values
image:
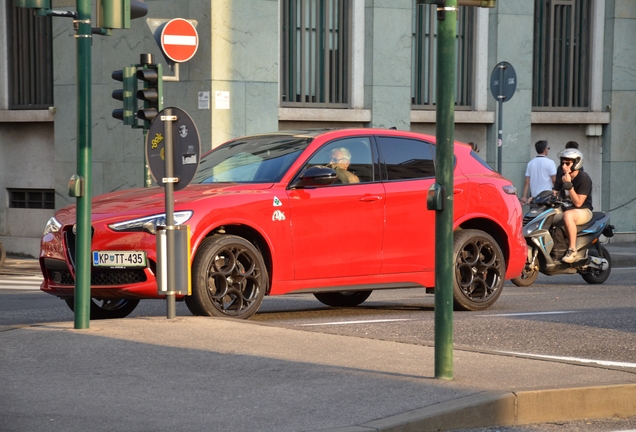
(527, 278)
(597, 276)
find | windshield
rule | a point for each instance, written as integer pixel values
(255, 159)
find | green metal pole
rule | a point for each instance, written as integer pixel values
(446, 33)
(84, 158)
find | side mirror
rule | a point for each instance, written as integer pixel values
(314, 176)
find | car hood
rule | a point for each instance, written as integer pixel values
(148, 201)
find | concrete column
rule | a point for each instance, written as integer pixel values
(619, 144)
(245, 68)
(388, 51)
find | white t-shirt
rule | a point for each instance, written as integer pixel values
(540, 170)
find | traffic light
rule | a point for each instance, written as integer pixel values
(116, 14)
(127, 94)
(152, 93)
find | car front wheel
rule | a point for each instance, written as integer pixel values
(479, 270)
(229, 278)
(107, 309)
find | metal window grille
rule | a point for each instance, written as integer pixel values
(316, 53)
(30, 59)
(561, 58)
(425, 58)
(32, 198)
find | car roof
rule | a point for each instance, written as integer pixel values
(313, 133)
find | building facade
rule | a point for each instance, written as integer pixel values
(266, 65)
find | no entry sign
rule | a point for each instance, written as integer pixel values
(179, 40)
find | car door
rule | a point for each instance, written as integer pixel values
(409, 170)
(337, 230)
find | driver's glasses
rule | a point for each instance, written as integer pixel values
(338, 160)
(566, 162)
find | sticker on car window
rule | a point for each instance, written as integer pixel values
(278, 216)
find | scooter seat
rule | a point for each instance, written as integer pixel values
(596, 216)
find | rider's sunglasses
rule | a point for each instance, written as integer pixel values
(566, 162)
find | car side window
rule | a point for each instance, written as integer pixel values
(406, 158)
(349, 157)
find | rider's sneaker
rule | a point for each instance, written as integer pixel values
(569, 257)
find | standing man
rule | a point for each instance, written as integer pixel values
(540, 172)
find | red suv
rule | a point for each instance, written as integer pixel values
(337, 213)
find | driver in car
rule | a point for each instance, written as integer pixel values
(340, 160)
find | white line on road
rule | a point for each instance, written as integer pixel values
(20, 282)
(576, 359)
(355, 322)
(529, 313)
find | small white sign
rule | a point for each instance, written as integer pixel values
(204, 100)
(222, 100)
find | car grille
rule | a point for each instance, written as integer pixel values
(101, 277)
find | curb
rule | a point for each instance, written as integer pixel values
(491, 409)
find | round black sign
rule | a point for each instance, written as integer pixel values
(186, 147)
(503, 73)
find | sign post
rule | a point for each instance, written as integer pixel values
(173, 148)
(503, 83)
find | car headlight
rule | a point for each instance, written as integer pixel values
(52, 226)
(150, 223)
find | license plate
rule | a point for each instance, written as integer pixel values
(119, 259)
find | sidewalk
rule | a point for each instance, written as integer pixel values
(196, 373)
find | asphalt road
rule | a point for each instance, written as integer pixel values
(561, 317)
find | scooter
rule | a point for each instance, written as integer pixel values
(544, 230)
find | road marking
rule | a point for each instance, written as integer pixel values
(20, 282)
(576, 359)
(529, 313)
(354, 322)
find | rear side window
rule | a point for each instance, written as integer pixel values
(406, 158)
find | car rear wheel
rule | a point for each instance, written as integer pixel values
(107, 309)
(229, 278)
(343, 298)
(479, 270)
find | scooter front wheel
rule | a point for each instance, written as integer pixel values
(527, 278)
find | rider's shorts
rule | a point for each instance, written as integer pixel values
(585, 215)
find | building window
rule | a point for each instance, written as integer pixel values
(30, 64)
(425, 58)
(32, 198)
(316, 49)
(561, 57)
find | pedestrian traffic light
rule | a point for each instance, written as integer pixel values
(127, 94)
(116, 14)
(152, 93)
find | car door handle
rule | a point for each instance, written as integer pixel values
(457, 191)
(370, 198)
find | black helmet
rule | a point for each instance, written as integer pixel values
(573, 154)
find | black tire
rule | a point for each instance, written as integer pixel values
(480, 269)
(597, 276)
(343, 298)
(107, 309)
(229, 278)
(527, 278)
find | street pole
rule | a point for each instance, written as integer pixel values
(84, 159)
(445, 137)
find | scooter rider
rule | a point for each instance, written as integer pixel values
(577, 185)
